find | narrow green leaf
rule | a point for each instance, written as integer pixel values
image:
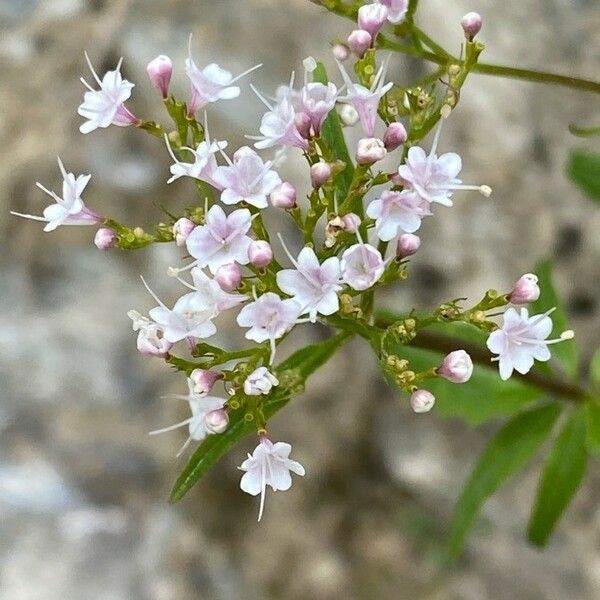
(595, 369)
(584, 169)
(592, 414)
(565, 353)
(292, 373)
(584, 131)
(506, 454)
(560, 478)
(333, 134)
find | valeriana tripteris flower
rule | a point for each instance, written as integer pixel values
(105, 106)
(521, 339)
(200, 406)
(269, 464)
(397, 212)
(362, 266)
(210, 84)
(366, 100)
(68, 210)
(247, 179)
(260, 382)
(318, 100)
(222, 239)
(312, 285)
(151, 336)
(396, 9)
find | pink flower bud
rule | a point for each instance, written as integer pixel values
(422, 401)
(351, 222)
(359, 41)
(260, 253)
(341, 52)
(217, 421)
(369, 151)
(159, 71)
(319, 174)
(204, 380)
(105, 239)
(526, 290)
(457, 367)
(229, 276)
(371, 18)
(181, 229)
(284, 196)
(471, 24)
(395, 135)
(408, 244)
(303, 123)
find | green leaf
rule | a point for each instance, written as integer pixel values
(560, 478)
(584, 169)
(506, 454)
(565, 353)
(595, 369)
(292, 373)
(333, 135)
(584, 131)
(592, 414)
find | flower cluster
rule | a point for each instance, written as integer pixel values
(358, 226)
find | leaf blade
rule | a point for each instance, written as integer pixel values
(583, 169)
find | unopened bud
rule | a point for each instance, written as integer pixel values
(369, 151)
(182, 229)
(471, 24)
(217, 421)
(351, 222)
(408, 244)
(284, 196)
(204, 380)
(371, 18)
(422, 401)
(340, 51)
(105, 239)
(395, 135)
(229, 276)
(260, 253)
(319, 174)
(526, 290)
(359, 41)
(303, 123)
(456, 367)
(349, 115)
(159, 71)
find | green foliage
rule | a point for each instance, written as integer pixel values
(560, 478)
(592, 413)
(595, 370)
(506, 454)
(584, 169)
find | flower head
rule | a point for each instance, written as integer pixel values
(260, 382)
(318, 100)
(105, 106)
(269, 464)
(396, 9)
(521, 339)
(151, 336)
(362, 266)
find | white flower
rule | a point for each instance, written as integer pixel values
(247, 179)
(68, 210)
(312, 285)
(318, 100)
(396, 212)
(151, 337)
(105, 106)
(200, 407)
(260, 381)
(366, 100)
(362, 266)
(269, 464)
(521, 339)
(222, 239)
(396, 9)
(213, 294)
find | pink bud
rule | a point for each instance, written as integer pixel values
(319, 174)
(159, 71)
(369, 151)
(351, 222)
(526, 290)
(204, 380)
(408, 244)
(457, 367)
(217, 421)
(422, 401)
(284, 196)
(303, 123)
(105, 239)
(471, 24)
(371, 18)
(260, 253)
(341, 52)
(395, 135)
(229, 276)
(359, 41)
(181, 229)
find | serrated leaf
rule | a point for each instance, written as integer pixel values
(301, 365)
(560, 479)
(592, 414)
(506, 454)
(565, 353)
(584, 169)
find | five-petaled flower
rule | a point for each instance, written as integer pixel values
(362, 266)
(397, 212)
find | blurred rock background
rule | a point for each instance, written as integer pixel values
(83, 489)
